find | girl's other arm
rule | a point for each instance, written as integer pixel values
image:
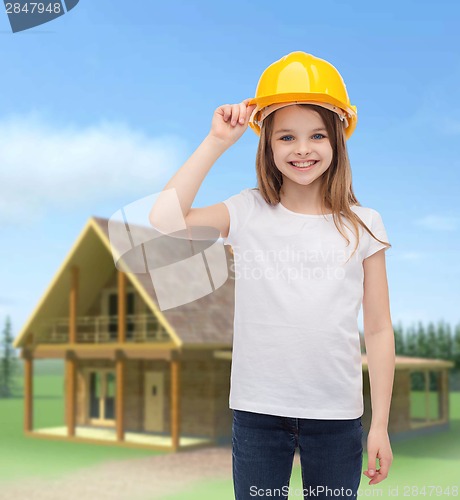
(378, 337)
(380, 349)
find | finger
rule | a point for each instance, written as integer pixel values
(384, 467)
(250, 109)
(242, 113)
(371, 470)
(226, 111)
(235, 113)
(377, 478)
(368, 475)
(371, 461)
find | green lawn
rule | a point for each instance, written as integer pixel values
(23, 457)
(429, 462)
(418, 404)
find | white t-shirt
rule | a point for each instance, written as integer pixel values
(296, 347)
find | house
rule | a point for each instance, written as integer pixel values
(140, 376)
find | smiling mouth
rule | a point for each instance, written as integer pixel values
(303, 165)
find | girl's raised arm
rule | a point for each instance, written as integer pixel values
(228, 125)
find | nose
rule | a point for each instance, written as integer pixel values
(303, 149)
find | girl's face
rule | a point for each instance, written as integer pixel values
(299, 135)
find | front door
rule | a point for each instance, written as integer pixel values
(154, 399)
(102, 386)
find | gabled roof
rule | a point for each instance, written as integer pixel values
(205, 321)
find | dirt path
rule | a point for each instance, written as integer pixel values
(135, 479)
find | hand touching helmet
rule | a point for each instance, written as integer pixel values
(230, 121)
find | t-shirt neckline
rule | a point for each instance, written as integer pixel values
(303, 215)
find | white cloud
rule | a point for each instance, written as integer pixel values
(44, 166)
(439, 222)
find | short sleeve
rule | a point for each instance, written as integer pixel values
(239, 207)
(378, 229)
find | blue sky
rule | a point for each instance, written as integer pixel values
(102, 106)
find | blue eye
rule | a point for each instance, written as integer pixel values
(284, 136)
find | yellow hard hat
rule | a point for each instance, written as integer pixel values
(300, 78)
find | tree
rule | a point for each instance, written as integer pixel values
(443, 341)
(8, 362)
(400, 347)
(423, 347)
(411, 344)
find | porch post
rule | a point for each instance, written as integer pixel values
(121, 307)
(73, 305)
(443, 396)
(70, 363)
(120, 360)
(70, 359)
(175, 403)
(427, 395)
(28, 391)
(119, 399)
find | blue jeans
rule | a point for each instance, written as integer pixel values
(263, 447)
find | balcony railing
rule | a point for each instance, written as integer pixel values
(102, 330)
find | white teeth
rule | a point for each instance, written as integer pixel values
(306, 164)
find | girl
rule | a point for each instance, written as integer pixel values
(306, 255)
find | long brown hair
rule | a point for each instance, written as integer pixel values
(336, 189)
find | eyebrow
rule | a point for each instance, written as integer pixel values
(290, 130)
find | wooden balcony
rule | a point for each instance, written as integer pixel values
(140, 328)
